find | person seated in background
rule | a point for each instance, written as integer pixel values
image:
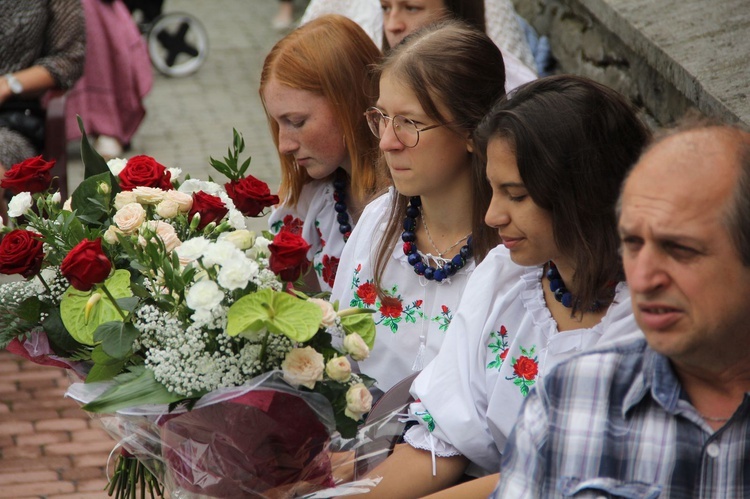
(43, 47)
(390, 21)
(668, 416)
(116, 78)
(556, 151)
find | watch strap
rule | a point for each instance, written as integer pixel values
(15, 86)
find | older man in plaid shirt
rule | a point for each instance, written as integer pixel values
(669, 416)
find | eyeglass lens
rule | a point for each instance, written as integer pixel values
(405, 130)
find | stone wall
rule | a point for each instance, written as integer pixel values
(582, 44)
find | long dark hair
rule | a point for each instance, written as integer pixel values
(574, 142)
(457, 65)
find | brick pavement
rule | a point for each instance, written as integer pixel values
(49, 447)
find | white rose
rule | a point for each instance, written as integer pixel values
(204, 295)
(163, 231)
(242, 239)
(167, 209)
(303, 366)
(148, 195)
(329, 314)
(356, 347)
(339, 369)
(130, 217)
(68, 204)
(193, 249)
(358, 401)
(184, 201)
(56, 197)
(116, 165)
(123, 198)
(111, 234)
(20, 204)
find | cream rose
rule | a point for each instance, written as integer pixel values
(358, 401)
(303, 366)
(339, 369)
(130, 217)
(167, 209)
(68, 204)
(183, 200)
(116, 165)
(356, 347)
(329, 314)
(163, 231)
(111, 234)
(148, 195)
(123, 198)
(242, 239)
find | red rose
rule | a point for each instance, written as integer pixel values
(250, 195)
(21, 252)
(390, 307)
(526, 368)
(367, 293)
(330, 267)
(418, 303)
(293, 224)
(31, 175)
(504, 354)
(211, 208)
(503, 331)
(86, 265)
(288, 255)
(445, 309)
(144, 171)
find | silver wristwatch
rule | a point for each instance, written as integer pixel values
(14, 84)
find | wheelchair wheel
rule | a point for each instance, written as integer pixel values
(177, 44)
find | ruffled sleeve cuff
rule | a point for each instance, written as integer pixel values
(420, 438)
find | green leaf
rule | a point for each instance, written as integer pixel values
(29, 309)
(89, 202)
(61, 341)
(73, 307)
(136, 387)
(280, 313)
(105, 367)
(362, 324)
(93, 162)
(116, 338)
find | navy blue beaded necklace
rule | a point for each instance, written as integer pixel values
(409, 237)
(339, 196)
(562, 295)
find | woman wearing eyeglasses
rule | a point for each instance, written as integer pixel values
(412, 252)
(314, 84)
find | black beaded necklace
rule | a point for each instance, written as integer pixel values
(339, 196)
(409, 237)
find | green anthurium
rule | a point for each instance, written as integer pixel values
(82, 311)
(362, 324)
(280, 313)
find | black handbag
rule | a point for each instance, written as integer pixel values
(25, 117)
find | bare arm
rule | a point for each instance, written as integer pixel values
(479, 487)
(408, 473)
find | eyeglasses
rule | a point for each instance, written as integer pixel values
(406, 130)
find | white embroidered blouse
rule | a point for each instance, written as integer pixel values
(411, 321)
(498, 346)
(314, 218)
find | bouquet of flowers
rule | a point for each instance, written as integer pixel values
(211, 370)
